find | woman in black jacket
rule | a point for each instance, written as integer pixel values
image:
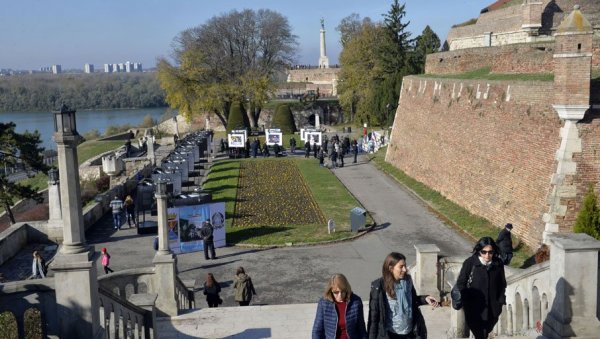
(211, 291)
(394, 304)
(482, 284)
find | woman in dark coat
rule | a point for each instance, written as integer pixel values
(482, 284)
(394, 303)
(211, 291)
(339, 312)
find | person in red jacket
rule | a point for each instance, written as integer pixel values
(339, 312)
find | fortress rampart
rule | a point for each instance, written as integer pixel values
(490, 147)
(516, 58)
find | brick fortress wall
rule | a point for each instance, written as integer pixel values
(487, 146)
(518, 58)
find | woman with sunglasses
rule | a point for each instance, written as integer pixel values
(482, 284)
(394, 303)
(339, 312)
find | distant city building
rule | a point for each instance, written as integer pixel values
(127, 67)
(56, 69)
(46, 69)
(88, 68)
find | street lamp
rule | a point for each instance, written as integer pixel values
(161, 187)
(53, 176)
(64, 121)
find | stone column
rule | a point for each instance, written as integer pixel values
(426, 280)
(572, 79)
(574, 275)
(74, 266)
(55, 225)
(323, 59)
(164, 261)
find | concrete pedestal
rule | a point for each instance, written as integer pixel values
(165, 275)
(574, 273)
(77, 294)
(426, 278)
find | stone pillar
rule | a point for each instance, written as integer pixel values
(74, 266)
(574, 275)
(164, 262)
(150, 151)
(323, 59)
(426, 281)
(147, 302)
(55, 224)
(572, 78)
(532, 16)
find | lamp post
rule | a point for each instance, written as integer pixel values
(161, 206)
(67, 138)
(75, 270)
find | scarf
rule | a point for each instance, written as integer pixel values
(401, 312)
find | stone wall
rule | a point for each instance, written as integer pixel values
(517, 58)
(486, 145)
(315, 75)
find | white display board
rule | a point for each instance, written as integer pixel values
(274, 138)
(314, 138)
(236, 140)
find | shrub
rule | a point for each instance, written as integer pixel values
(148, 122)
(237, 119)
(284, 119)
(92, 134)
(588, 218)
(103, 183)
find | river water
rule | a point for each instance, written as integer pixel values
(86, 120)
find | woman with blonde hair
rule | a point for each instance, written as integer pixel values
(339, 312)
(130, 211)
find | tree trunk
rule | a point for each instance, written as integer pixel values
(221, 118)
(11, 217)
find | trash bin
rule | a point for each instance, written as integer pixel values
(357, 218)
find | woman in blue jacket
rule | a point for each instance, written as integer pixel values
(340, 312)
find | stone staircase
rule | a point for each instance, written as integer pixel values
(272, 321)
(275, 321)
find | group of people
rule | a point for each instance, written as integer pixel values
(394, 304)
(244, 289)
(334, 149)
(118, 207)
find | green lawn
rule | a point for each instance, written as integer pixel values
(90, 149)
(330, 195)
(451, 213)
(485, 74)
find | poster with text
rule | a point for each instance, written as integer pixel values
(173, 229)
(185, 222)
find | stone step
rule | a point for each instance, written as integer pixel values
(269, 321)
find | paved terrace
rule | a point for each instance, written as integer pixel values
(296, 275)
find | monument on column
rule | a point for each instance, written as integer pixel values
(323, 59)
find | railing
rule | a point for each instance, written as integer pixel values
(32, 305)
(185, 295)
(121, 319)
(127, 282)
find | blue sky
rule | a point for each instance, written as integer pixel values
(37, 33)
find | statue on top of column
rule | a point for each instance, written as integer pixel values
(322, 23)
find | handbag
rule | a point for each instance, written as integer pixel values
(456, 295)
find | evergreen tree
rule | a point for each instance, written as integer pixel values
(238, 119)
(22, 150)
(588, 219)
(284, 119)
(426, 43)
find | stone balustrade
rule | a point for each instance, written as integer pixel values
(121, 318)
(185, 295)
(33, 306)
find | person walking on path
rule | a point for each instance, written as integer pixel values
(394, 303)
(293, 145)
(117, 207)
(355, 150)
(106, 261)
(130, 211)
(504, 243)
(321, 157)
(244, 289)
(211, 291)
(38, 266)
(306, 149)
(206, 232)
(482, 286)
(339, 312)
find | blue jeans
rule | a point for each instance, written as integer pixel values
(117, 220)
